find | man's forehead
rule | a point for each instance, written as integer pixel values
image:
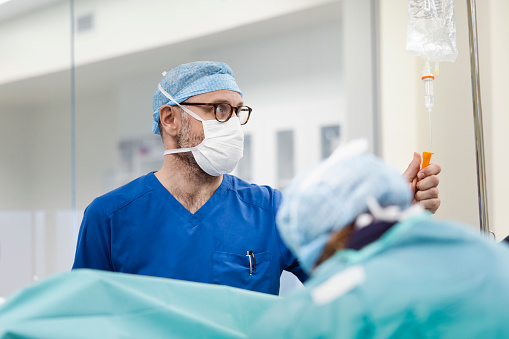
(220, 95)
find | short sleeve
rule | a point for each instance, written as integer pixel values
(93, 247)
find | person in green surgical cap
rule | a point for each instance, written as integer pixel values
(380, 266)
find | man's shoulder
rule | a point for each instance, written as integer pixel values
(124, 195)
(262, 196)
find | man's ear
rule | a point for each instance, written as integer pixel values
(170, 119)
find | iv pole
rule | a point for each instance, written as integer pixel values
(478, 127)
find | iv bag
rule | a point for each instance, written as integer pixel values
(431, 30)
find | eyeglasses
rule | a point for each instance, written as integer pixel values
(224, 111)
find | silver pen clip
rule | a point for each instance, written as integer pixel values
(250, 262)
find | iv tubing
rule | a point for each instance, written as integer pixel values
(478, 127)
(430, 134)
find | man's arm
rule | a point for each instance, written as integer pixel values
(297, 270)
(289, 262)
(93, 247)
(424, 183)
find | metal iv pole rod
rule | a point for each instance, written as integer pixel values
(478, 127)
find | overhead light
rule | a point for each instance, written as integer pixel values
(4, 1)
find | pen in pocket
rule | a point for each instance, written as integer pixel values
(252, 262)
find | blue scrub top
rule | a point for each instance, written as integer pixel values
(141, 228)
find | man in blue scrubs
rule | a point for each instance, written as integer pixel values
(191, 220)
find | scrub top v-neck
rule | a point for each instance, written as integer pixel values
(232, 239)
(174, 206)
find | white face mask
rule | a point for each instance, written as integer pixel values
(222, 147)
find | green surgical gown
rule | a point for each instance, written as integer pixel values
(421, 279)
(95, 304)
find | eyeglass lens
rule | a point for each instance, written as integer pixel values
(224, 112)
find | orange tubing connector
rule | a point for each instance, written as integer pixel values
(426, 158)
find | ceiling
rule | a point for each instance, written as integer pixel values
(16, 8)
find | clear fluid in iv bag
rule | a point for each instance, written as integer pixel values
(431, 32)
(433, 8)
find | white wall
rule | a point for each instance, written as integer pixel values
(15, 150)
(35, 44)
(496, 23)
(398, 86)
(16, 251)
(358, 52)
(33, 245)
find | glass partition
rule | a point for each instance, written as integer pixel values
(36, 236)
(289, 60)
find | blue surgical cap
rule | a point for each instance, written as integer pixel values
(192, 79)
(332, 195)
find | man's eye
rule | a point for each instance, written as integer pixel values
(222, 108)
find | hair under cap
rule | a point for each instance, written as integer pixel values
(192, 79)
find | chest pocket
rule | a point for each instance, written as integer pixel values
(234, 270)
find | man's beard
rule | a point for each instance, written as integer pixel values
(187, 139)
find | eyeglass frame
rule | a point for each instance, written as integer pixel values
(216, 104)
